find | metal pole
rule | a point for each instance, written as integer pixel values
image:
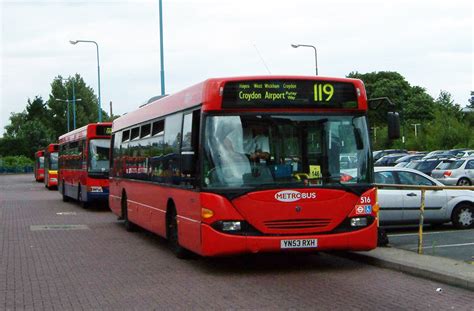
(98, 72)
(316, 59)
(162, 72)
(67, 99)
(420, 226)
(73, 105)
(315, 53)
(98, 78)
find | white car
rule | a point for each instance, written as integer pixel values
(403, 206)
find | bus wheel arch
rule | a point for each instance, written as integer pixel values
(172, 231)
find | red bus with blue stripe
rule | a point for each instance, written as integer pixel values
(84, 163)
(249, 165)
(51, 166)
(39, 165)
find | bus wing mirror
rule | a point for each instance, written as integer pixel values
(393, 125)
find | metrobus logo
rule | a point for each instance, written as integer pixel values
(293, 196)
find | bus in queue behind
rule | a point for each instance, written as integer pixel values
(39, 166)
(51, 166)
(249, 165)
(84, 163)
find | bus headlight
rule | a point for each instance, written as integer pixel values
(358, 222)
(231, 226)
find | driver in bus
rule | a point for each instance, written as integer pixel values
(256, 144)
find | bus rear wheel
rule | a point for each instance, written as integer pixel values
(129, 226)
(82, 203)
(172, 235)
(63, 190)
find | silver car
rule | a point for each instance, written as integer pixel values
(455, 172)
(403, 206)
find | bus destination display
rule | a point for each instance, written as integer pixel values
(296, 93)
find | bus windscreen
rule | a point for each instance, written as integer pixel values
(289, 93)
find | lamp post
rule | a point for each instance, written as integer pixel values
(162, 71)
(98, 70)
(73, 101)
(74, 109)
(315, 53)
(416, 128)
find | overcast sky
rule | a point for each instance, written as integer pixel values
(429, 42)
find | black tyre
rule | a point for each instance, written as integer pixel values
(463, 216)
(83, 204)
(382, 237)
(463, 182)
(129, 226)
(63, 190)
(172, 235)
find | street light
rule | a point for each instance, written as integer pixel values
(315, 53)
(74, 109)
(416, 128)
(73, 101)
(98, 69)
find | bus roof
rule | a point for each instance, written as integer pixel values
(52, 147)
(39, 153)
(80, 132)
(209, 94)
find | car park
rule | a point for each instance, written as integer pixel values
(465, 153)
(380, 153)
(402, 206)
(389, 160)
(403, 161)
(455, 172)
(425, 166)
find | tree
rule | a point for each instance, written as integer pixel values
(86, 109)
(41, 123)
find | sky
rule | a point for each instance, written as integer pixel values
(429, 42)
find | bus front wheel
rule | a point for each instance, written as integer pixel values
(172, 234)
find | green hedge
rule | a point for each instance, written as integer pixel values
(16, 164)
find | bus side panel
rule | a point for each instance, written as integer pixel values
(188, 207)
(147, 205)
(115, 196)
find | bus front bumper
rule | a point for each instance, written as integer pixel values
(215, 243)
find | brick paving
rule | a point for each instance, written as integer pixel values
(100, 266)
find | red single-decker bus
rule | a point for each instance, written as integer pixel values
(51, 166)
(248, 165)
(84, 163)
(39, 165)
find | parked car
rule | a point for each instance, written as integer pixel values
(455, 172)
(425, 166)
(465, 153)
(380, 153)
(389, 160)
(408, 158)
(403, 206)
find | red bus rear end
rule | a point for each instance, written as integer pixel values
(39, 165)
(51, 166)
(84, 163)
(249, 164)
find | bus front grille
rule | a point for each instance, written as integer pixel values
(291, 224)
